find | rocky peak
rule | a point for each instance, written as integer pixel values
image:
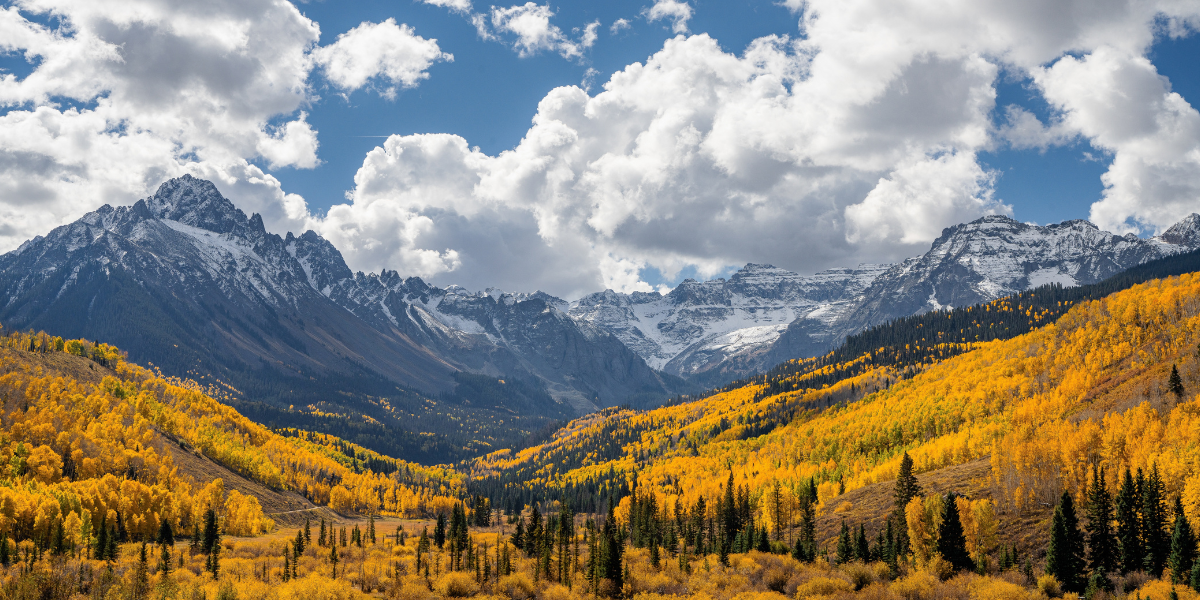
(195, 202)
(1184, 233)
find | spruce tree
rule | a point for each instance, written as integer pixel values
(166, 535)
(952, 541)
(1183, 547)
(333, 560)
(862, 550)
(1196, 575)
(845, 545)
(1129, 530)
(439, 531)
(1102, 550)
(1154, 525)
(1175, 383)
(907, 488)
(1064, 559)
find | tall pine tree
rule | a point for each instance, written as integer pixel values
(952, 540)
(1064, 559)
(1102, 544)
(1129, 528)
(1183, 547)
(1154, 525)
(907, 488)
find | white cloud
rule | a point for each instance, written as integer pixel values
(1121, 104)
(124, 94)
(461, 6)
(618, 25)
(534, 32)
(389, 52)
(588, 39)
(858, 142)
(675, 11)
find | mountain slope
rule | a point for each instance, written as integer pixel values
(717, 331)
(187, 282)
(1092, 386)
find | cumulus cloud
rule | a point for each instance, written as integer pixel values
(857, 142)
(619, 25)
(124, 94)
(386, 51)
(678, 13)
(534, 32)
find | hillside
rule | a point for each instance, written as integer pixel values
(88, 438)
(1041, 409)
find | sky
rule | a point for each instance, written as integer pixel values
(576, 146)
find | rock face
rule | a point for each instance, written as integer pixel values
(188, 282)
(699, 326)
(718, 330)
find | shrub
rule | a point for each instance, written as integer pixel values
(823, 586)
(458, 585)
(1049, 585)
(860, 575)
(918, 586)
(516, 586)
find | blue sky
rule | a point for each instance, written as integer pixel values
(856, 138)
(489, 94)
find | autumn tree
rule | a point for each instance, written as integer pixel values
(907, 488)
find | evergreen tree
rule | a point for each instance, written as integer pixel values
(1175, 383)
(907, 488)
(166, 535)
(518, 536)
(298, 543)
(533, 536)
(333, 560)
(1102, 546)
(1129, 530)
(102, 540)
(1154, 525)
(952, 541)
(5, 559)
(370, 530)
(845, 545)
(1196, 575)
(287, 561)
(164, 559)
(1183, 547)
(307, 532)
(210, 534)
(141, 576)
(862, 550)
(1064, 559)
(439, 531)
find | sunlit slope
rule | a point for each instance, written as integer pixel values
(87, 436)
(1033, 403)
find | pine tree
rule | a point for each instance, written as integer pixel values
(1154, 525)
(439, 531)
(166, 535)
(164, 559)
(1102, 550)
(307, 532)
(1129, 530)
(321, 537)
(907, 488)
(141, 576)
(210, 532)
(845, 545)
(952, 541)
(5, 559)
(333, 560)
(862, 549)
(1196, 575)
(298, 543)
(287, 561)
(1183, 547)
(1064, 559)
(1175, 383)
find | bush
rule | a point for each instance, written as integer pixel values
(992, 588)
(823, 586)
(516, 586)
(1049, 585)
(918, 586)
(458, 585)
(860, 575)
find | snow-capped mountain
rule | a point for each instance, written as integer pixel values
(719, 330)
(187, 281)
(699, 325)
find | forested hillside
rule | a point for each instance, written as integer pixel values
(88, 441)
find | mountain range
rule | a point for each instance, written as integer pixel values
(186, 281)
